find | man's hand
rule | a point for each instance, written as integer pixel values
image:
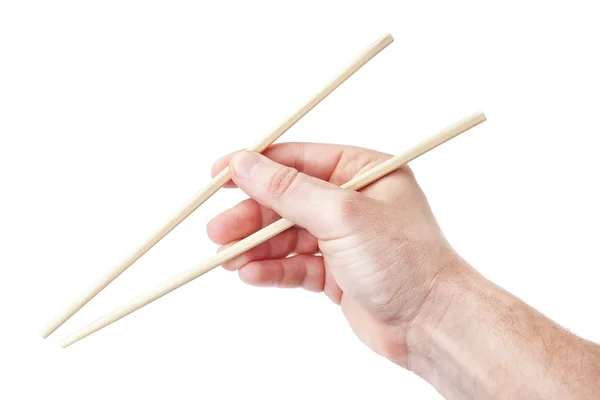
(380, 254)
(377, 253)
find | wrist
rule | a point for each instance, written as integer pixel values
(472, 339)
(440, 322)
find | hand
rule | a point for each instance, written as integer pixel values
(377, 253)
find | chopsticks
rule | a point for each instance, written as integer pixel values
(271, 230)
(215, 184)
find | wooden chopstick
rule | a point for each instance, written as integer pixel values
(269, 231)
(216, 183)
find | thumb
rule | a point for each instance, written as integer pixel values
(325, 210)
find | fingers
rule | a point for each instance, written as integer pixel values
(301, 271)
(240, 221)
(304, 271)
(248, 217)
(294, 240)
(325, 210)
(334, 163)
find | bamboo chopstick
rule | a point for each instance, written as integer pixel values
(216, 183)
(271, 230)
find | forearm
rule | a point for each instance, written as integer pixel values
(473, 340)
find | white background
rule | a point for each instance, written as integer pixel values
(111, 114)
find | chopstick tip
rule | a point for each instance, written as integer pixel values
(46, 332)
(388, 38)
(69, 340)
(478, 116)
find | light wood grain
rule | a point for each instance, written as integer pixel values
(275, 228)
(215, 184)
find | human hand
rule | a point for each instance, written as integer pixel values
(378, 253)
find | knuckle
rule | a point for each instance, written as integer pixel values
(282, 182)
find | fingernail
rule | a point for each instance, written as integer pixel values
(244, 163)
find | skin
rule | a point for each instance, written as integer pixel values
(380, 255)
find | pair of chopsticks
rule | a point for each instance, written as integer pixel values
(259, 237)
